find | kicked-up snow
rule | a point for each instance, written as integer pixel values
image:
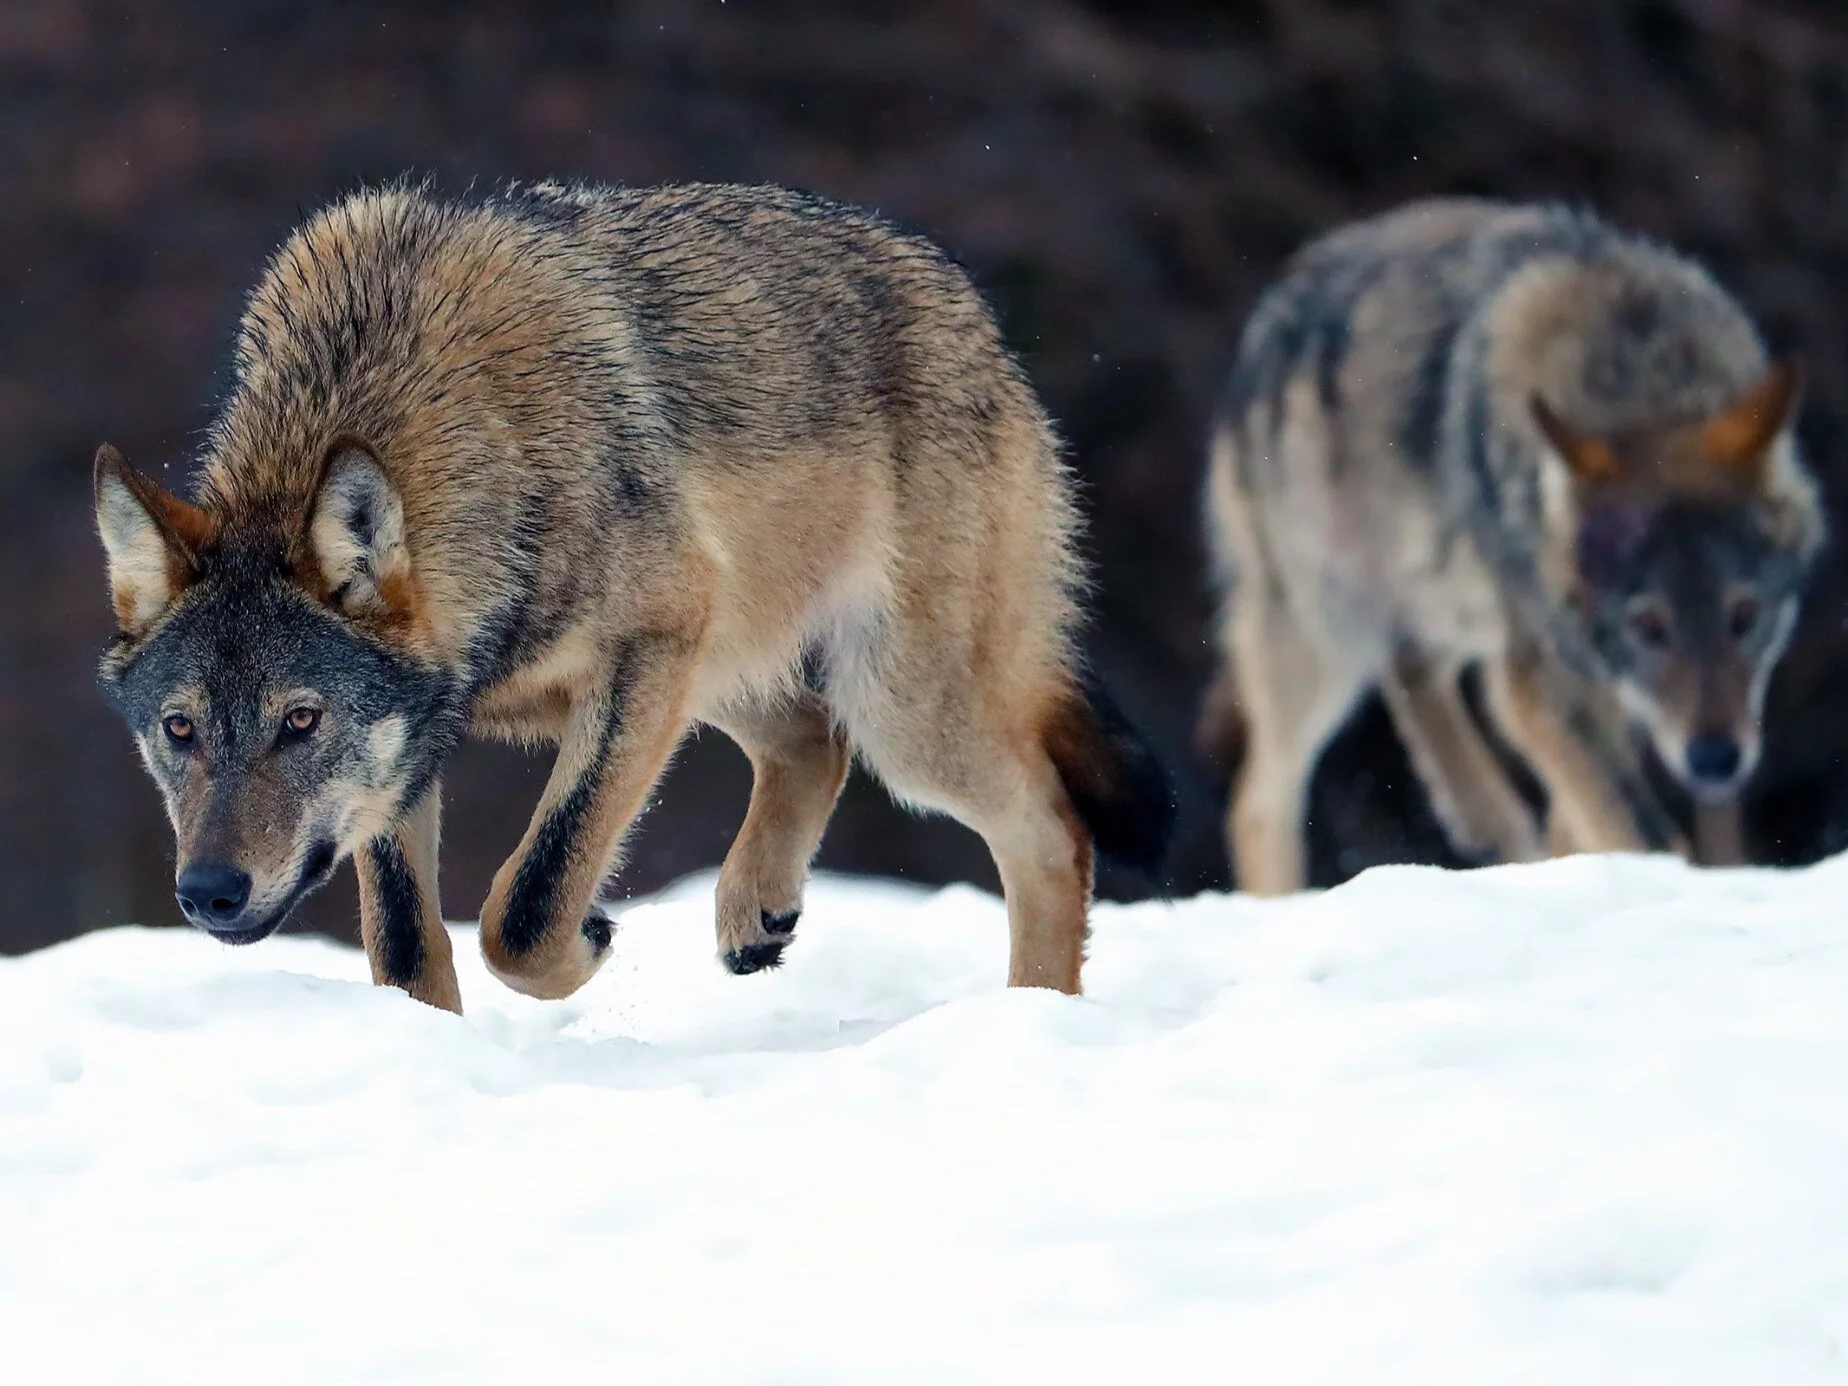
(1582, 1122)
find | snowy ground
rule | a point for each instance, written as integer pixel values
(1578, 1123)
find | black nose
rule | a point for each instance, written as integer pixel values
(212, 896)
(1713, 758)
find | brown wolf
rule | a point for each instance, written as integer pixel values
(1514, 436)
(585, 466)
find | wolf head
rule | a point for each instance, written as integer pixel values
(257, 670)
(1692, 545)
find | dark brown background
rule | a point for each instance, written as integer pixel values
(1121, 178)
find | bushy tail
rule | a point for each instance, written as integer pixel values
(1113, 777)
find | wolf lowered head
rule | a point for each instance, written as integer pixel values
(256, 670)
(1692, 544)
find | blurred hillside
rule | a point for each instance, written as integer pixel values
(1121, 177)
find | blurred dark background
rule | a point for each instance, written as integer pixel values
(1121, 178)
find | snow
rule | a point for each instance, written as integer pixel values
(1580, 1122)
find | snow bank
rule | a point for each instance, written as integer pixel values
(1575, 1123)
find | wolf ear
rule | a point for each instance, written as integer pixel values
(1590, 460)
(357, 532)
(152, 538)
(1739, 438)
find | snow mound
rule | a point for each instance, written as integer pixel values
(1580, 1122)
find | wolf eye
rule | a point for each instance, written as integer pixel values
(1649, 624)
(301, 721)
(1742, 616)
(179, 727)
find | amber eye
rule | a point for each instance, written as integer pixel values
(179, 727)
(302, 720)
(1742, 616)
(1649, 624)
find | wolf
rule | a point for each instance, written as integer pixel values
(1466, 433)
(585, 467)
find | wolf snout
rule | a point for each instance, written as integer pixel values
(1714, 761)
(212, 894)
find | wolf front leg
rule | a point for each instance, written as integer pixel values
(1597, 797)
(1719, 834)
(538, 932)
(1482, 812)
(400, 916)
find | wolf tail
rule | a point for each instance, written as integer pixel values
(1113, 777)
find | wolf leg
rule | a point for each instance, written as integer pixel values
(974, 748)
(944, 748)
(1719, 834)
(1296, 691)
(538, 932)
(1469, 789)
(1044, 857)
(1007, 789)
(1219, 730)
(1597, 799)
(798, 764)
(400, 917)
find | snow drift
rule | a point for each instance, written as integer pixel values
(1580, 1122)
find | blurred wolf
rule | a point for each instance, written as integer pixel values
(1464, 432)
(585, 466)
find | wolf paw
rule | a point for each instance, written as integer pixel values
(755, 957)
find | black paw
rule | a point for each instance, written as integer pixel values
(755, 957)
(596, 931)
(780, 923)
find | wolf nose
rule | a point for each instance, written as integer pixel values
(212, 896)
(1713, 758)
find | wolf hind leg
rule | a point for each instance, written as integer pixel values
(1296, 687)
(538, 932)
(1045, 859)
(1006, 787)
(799, 762)
(1470, 791)
(976, 750)
(400, 917)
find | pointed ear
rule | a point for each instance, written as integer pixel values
(1590, 460)
(153, 540)
(357, 533)
(1739, 438)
